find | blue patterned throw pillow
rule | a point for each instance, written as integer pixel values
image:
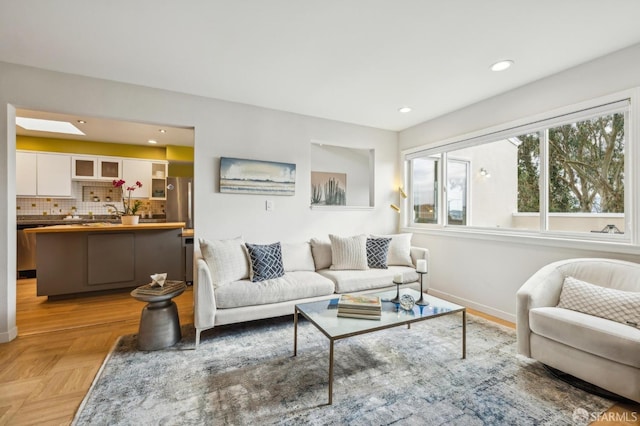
(266, 261)
(377, 252)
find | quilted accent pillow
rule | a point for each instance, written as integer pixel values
(615, 305)
(227, 260)
(377, 252)
(348, 253)
(266, 261)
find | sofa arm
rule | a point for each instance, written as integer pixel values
(204, 300)
(542, 289)
(419, 253)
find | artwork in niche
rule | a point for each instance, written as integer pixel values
(241, 176)
(328, 189)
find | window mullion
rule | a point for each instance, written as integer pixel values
(544, 180)
(442, 188)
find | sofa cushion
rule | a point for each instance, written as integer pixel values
(348, 280)
(321, 251)
(297, 257)
(588, 333)
(399, 249)
(348, 252)
(290, 286)
(378, 252)
(227, 260)
(266, 261)
(608, 303)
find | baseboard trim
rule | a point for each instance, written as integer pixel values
(8, 336)
(474, 305)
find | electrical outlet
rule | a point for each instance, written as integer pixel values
(269, 205)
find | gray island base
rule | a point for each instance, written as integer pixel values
(73, 259)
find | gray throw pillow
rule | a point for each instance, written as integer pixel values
(266, 261)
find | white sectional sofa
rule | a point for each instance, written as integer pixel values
(224, 292)
(582, 317)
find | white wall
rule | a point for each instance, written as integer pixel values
(221, 129)
(495, 268)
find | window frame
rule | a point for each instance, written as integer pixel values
(628, 242)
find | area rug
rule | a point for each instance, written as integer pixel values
(246, 374)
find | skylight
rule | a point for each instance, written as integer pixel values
(52, 126)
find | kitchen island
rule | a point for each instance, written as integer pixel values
(91, 257)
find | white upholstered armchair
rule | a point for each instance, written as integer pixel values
(559, 325)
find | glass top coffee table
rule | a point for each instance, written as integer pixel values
(323, 315)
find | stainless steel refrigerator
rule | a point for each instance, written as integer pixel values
(179, 206)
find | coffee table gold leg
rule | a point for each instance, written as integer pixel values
(295, 332)
(331, 372)
(464, 334)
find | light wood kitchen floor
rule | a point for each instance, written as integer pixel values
(46, 371)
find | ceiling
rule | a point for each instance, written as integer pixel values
(113, 131)
(355, 61)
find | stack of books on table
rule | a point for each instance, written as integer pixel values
(360, 306)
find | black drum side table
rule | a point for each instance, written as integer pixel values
(159, 321)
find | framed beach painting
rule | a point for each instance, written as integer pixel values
(241, 176)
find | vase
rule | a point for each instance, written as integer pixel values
(129, 219)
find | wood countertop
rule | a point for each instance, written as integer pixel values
(105, 227)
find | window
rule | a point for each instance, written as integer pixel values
(457, 189)
(561, 175)
(425, 172)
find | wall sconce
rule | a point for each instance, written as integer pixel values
(403, 195)
(484, 173)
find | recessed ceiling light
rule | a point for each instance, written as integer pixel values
(82, 122)
(52, 126)
(152, 141)
(501, 65)
(162, 131)
(404, 109)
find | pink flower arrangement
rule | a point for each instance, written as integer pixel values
(129, 208)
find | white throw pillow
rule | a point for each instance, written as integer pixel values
(227, 260)
(615, 305)
(399, 249)
(321, 250)
(297, 257)
(349, 252)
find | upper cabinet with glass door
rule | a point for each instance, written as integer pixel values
(95, 168)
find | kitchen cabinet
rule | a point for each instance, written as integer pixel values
(95, 168)
(152, 175)
(137, 171)
(50, 172)
(158, 181)
(26, 172)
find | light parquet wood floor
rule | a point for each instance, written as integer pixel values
(47, 370)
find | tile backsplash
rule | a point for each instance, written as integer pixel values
(83, 194)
